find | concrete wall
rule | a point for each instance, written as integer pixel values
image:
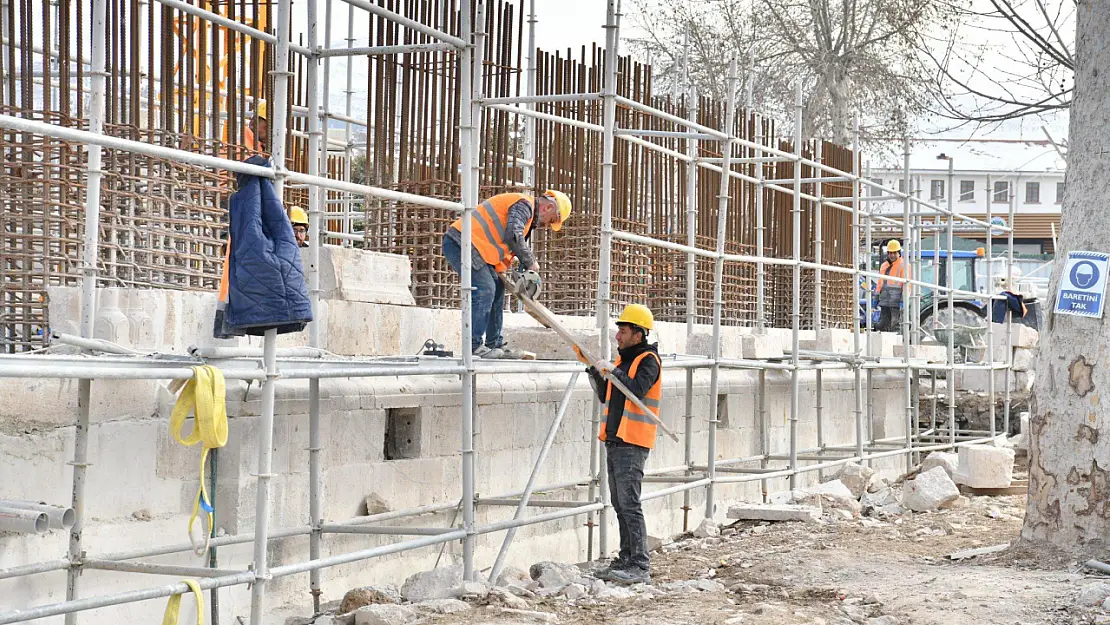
(142, 483)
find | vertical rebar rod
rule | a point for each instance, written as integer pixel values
(315, 230)
(609, 93)
(90, 254)
(796, 287)
(691, 273)
(857, 386)
(718, 290)
(470, 201)
(907, 254)
(278, 126)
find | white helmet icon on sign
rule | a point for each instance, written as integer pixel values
(1084, 275)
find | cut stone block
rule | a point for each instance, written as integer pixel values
(835, 340)
(949, 461)
(708, 528)
(385, 615)
(701, 344)
(1023, 381)
(1024, 336)
(929, 490)
(979, 380)
(836, 495)
(773, 512)
(856, 478)
(356, 275)
(761, 346)
(1023, 359)
(548, 345)
(930, 353)
(554, 575)
(985, 466)
(435, 584)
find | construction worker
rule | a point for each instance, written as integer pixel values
(299, 219)
(890, 292)
(629, 435)
(257, 133)
(502, 227)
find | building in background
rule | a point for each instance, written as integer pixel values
(984, 170)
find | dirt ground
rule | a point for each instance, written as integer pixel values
(840, 571)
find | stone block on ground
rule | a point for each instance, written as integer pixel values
(386, 615)
(513, 575)
(1023, 336)
(929, 490)
(368, 595)
(835, 495)
(880, 499)
(1023, 381)
(979, 380)
(930, 353)
(773, 512)
(949, 461)
(835, 340)
(760, 347)
(655, 543)
(434, 584)
(358, 275)
(443, 606)
(882, 344)
(1023, 359)
(507, 597)
(1093, 594)
(701, 344)
(985, 466)
(471, 590)
(856, 477)
(708, 528)
(554, 575)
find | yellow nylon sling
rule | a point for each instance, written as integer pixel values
(173, 606)
(205, 396)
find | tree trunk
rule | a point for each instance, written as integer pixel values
(1069, 472)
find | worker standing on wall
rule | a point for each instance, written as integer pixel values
(629, 436)
(890, 292)
(299, 219)
(502, 228)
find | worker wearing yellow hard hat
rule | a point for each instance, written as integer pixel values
(299, 219)
(257, 133)
(889, 291)
(629, 435)
(502, 228)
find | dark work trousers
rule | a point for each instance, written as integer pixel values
(890, 319)
(626, 475)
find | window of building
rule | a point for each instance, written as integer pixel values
(936, 189)
(901, 185)
(967, 190)
(1001, 192)
(875, 191)
(1059, 193)
(1032, 193)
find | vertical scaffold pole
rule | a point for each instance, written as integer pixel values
(316, 208)
(857, 386)
(718, 289)
(796, 304)
(906, 311)
(692, 149)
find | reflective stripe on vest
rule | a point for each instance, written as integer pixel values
(893, 270)
(489, 224)
(636, 427)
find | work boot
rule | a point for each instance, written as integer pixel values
(614, 564)
(483, 352)
(492, 353)
(509, 353)
(629, 576)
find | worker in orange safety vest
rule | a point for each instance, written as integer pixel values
(890, 291)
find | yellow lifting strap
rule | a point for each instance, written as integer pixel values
(173, 606)
(205, 396)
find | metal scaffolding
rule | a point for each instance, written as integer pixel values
(740, 159)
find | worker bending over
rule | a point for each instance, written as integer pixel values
(629, 435)
(890, 292)
(502, 228)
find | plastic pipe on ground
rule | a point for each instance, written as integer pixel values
(60, 517)
(23, 521)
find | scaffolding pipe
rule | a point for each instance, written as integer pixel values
(907, 302)
(796, 310)
(326, 53)
(528, 488)
(857, 379)
(818, 256)
(718, 290)
(157, 569)
(692, 148)
(397, 18)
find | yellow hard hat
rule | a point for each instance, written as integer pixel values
(563, 203)
(260, 110)
(297, 216)
(637, 315)
(893, 246)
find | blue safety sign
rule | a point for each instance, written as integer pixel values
(1083, 285)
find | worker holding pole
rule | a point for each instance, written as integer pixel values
(629, 435)
(502, 228)
(890, 292)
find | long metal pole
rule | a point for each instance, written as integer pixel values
(857, 374)
(530, 486)
(315, 208)
(796, 305)
(348, 94)
(470, 201)
(718, 291)
(950, 378)
(1009, 316)
(530, 122)
(279, 118)
(609, 101)
(88, 294)
(691, 272)
(818, 257)
(906, 302)
(990, 323)
(868, 249)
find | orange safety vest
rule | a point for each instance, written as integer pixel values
(636, 427)
(488, 225)
(895, 270)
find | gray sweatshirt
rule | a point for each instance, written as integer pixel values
(519, 214)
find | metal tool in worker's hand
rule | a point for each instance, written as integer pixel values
(526, 282)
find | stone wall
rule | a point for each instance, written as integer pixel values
(141, 483)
